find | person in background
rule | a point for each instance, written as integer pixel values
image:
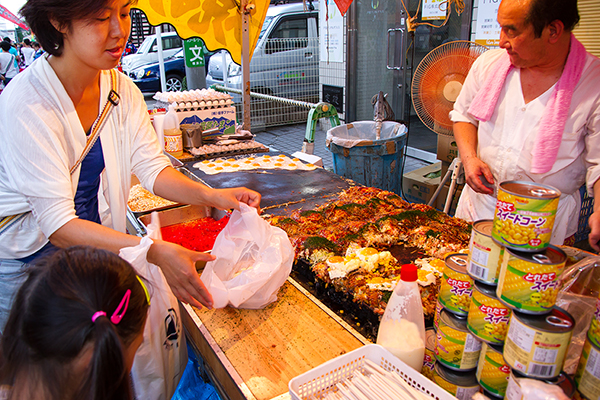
(8, 70)
(27, 51)
(38, 50)
(47, 199)
(14, 52)
(74, 329)
(530, 111)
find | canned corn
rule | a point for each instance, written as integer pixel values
(524, 215)
(587, 377)
(456, 286)
(514, 392)
(455, 346)
(529, 281)
(492, 372)
(594, 331)
(536, 345)
(436, 315)
(429, 358)
(483, 263)
(463, 385)
(488, 317)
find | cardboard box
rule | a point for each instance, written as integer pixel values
(223, 118)
(419, 185)
(441, 199)
(447, 150)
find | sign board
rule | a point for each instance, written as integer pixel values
(194, 50)
(434, 9)
(334, 95)
(331, 29)
(487, 28)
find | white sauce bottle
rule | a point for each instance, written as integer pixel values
(402, 327)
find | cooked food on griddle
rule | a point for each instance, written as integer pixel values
(141, 200)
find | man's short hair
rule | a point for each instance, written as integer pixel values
(6, 39)
(5, 46)
(543, 12)
(27, 42)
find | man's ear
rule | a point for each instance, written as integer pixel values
(555, 30)
(57, 25)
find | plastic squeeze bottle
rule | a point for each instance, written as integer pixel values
(402, 328)
(172, 133)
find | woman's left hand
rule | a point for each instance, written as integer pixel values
(226, 199)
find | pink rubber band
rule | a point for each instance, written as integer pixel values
(97, 315)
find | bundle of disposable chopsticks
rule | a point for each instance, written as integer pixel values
(373, 383)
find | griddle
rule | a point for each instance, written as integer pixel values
(282, 191)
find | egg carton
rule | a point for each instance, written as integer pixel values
(190, 157)
(191, 96)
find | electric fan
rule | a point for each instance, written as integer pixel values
(438, 79)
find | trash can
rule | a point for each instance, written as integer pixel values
(358, 156)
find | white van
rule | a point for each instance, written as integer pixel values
(148, 51)
(285, 61)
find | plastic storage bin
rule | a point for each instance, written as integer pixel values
(323, 378)
(358, 156)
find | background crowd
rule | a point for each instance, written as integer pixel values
(15, 57)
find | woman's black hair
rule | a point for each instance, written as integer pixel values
(50, 327)
(39, 15)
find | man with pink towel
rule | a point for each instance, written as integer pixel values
(530, 111)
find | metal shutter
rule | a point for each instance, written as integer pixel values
(588, 30)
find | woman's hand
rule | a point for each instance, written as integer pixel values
(225, 199)
(179, 267)
(594, 237)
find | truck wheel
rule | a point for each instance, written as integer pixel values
(174, 83)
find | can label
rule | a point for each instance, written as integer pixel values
(587, 376)
(523, 223)
(461, 393)
(484, 257)
(528, 286)
(436, 315)
(488, 318)
(535, 353)
(513, 389)
(455, 291)
(594, 331)
(492, 372)
(428, 364)
(456, 349)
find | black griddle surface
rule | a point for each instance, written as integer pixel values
(282, 191)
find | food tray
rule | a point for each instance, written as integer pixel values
(182, 214)
(190, 157)
(322, 379)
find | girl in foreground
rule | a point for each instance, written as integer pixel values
(74, 328)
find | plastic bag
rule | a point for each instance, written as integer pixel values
(363, 132)
(162, 356)
(192, 386)
(253, 260)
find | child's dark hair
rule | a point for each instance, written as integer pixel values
(50, 327)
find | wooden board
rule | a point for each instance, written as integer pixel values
(260, 351)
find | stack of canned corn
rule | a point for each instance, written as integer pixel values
(496, 319)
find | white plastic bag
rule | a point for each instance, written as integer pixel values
(161, 359)
(253, 260)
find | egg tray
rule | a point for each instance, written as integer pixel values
(190, 157)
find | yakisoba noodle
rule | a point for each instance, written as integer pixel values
(524, 215)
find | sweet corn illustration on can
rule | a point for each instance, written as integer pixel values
(463, 385)
(587, 377)
(524, 215)
(514, 392)
(483, 262)
(429, 358)
(529, 281)
(456, 286)
(492, 372)
(488, 317)
(455, 347)
(594, 331)
(536, 345)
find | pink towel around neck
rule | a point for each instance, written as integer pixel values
(554, 119)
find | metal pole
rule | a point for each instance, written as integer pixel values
(246, 8)
(161, 61)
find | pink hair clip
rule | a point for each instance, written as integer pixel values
(117, 316)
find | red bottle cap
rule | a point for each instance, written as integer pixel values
(408, 273)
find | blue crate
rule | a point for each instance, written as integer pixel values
(587, 207)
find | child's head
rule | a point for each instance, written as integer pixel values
(74, 327)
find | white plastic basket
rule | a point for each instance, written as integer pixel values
(323, 378)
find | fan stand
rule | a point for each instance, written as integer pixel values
(457, 172)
